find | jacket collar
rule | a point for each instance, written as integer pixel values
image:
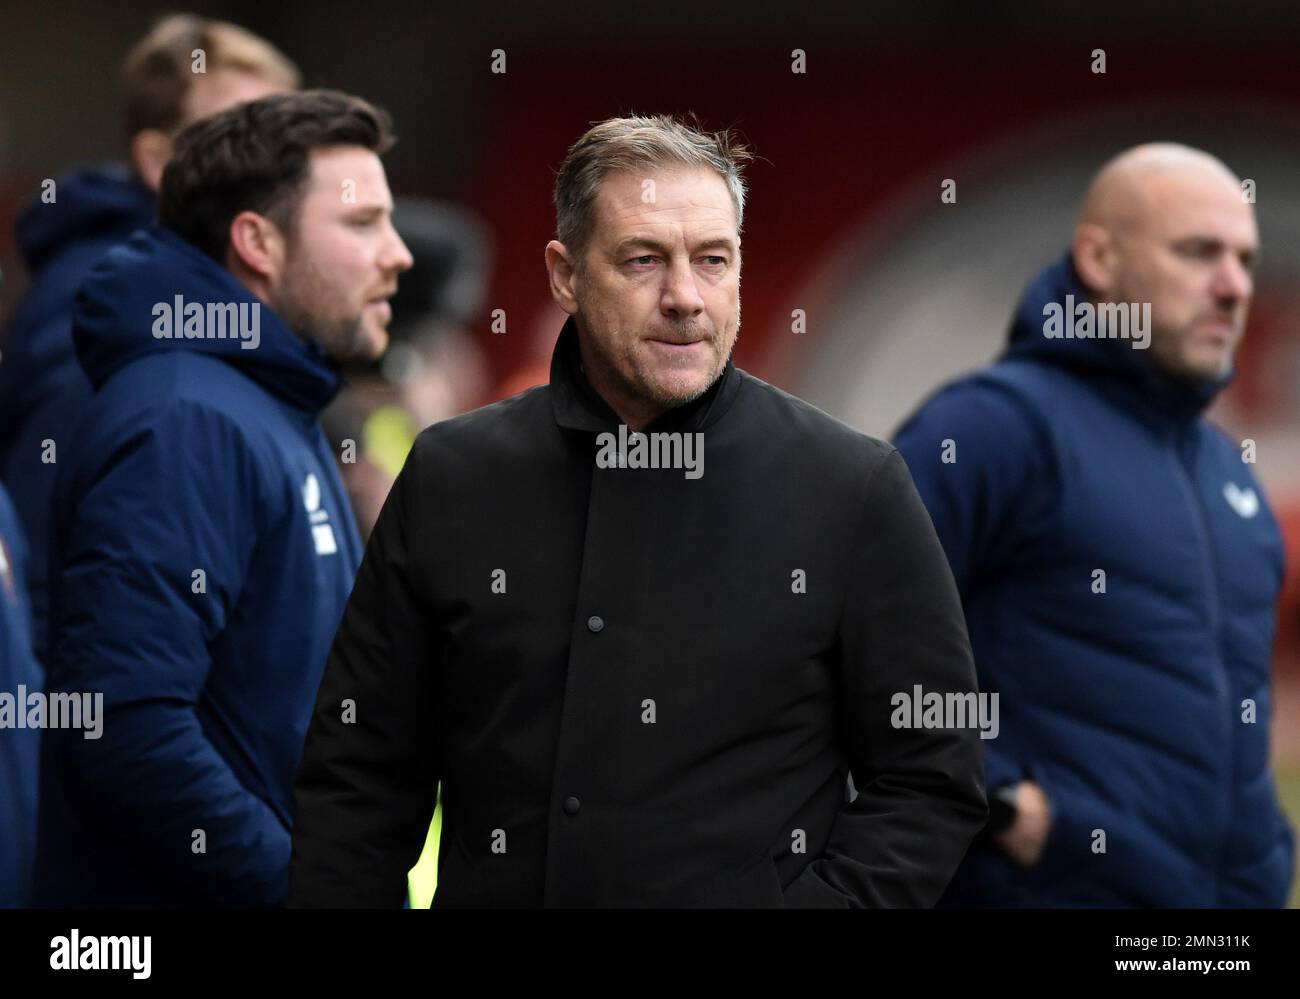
(578, 406)
(115, 313)
(1112, 365)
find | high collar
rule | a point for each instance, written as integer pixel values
(1112, 364)
(578, 406)
(116, 310)
(92, 203)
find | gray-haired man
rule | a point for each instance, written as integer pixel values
(643, 621)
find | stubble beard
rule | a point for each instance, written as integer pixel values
(338, 338)
(645, 383)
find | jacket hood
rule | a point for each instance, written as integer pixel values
(95, 201)
(156, 292)
(1115, 362)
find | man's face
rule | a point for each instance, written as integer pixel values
(343, 257)
(1190, 251)
(658, 296)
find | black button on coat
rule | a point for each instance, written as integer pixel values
(639, 688)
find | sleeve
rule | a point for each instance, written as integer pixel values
(368, 782)
(985, 472)
(920, 795)
(135, 622)
(19, 750)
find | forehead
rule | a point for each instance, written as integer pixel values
(222, 88)
(333, 166)
(1177, 205)
(663, 201)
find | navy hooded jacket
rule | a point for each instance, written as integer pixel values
(202, 554)
(1119, 568)
(19, 747)
(43, 390)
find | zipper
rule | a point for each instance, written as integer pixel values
(1209, 563)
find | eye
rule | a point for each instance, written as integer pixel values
(642, 260)
(715, 261)
(1200, 249)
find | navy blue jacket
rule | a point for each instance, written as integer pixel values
(42, 387)
(19, 748)
(1139, 699)
(202, 554)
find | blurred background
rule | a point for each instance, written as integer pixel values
(900, 290)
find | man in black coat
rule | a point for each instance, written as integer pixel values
(643, 677)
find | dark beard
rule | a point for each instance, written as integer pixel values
(338, 340)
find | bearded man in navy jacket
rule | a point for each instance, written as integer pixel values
(204, 547)
(1117, 562)
(74, 221)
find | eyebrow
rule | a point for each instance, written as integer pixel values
(1217, 243)
(1198, 238)
(650, 243)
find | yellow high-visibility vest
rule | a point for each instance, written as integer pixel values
(422, 879)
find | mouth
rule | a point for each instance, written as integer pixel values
(677, 341)
(678, 348)
(1223, 324)
(382, 306)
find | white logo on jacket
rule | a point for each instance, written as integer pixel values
(321, 531)
(6, 574)
(1244, 501)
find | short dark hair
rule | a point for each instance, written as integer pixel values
(255, 157)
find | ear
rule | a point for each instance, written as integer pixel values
(257, 249)
(1096, 258)
(150, 152)
(560, 268)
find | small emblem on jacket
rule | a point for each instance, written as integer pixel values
(321, 531)
(1244, 501)
(6, 573)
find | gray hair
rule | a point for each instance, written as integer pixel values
(632, 143)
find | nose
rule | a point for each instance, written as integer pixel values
(1232, 281)
(680, 298)
(396, 257)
